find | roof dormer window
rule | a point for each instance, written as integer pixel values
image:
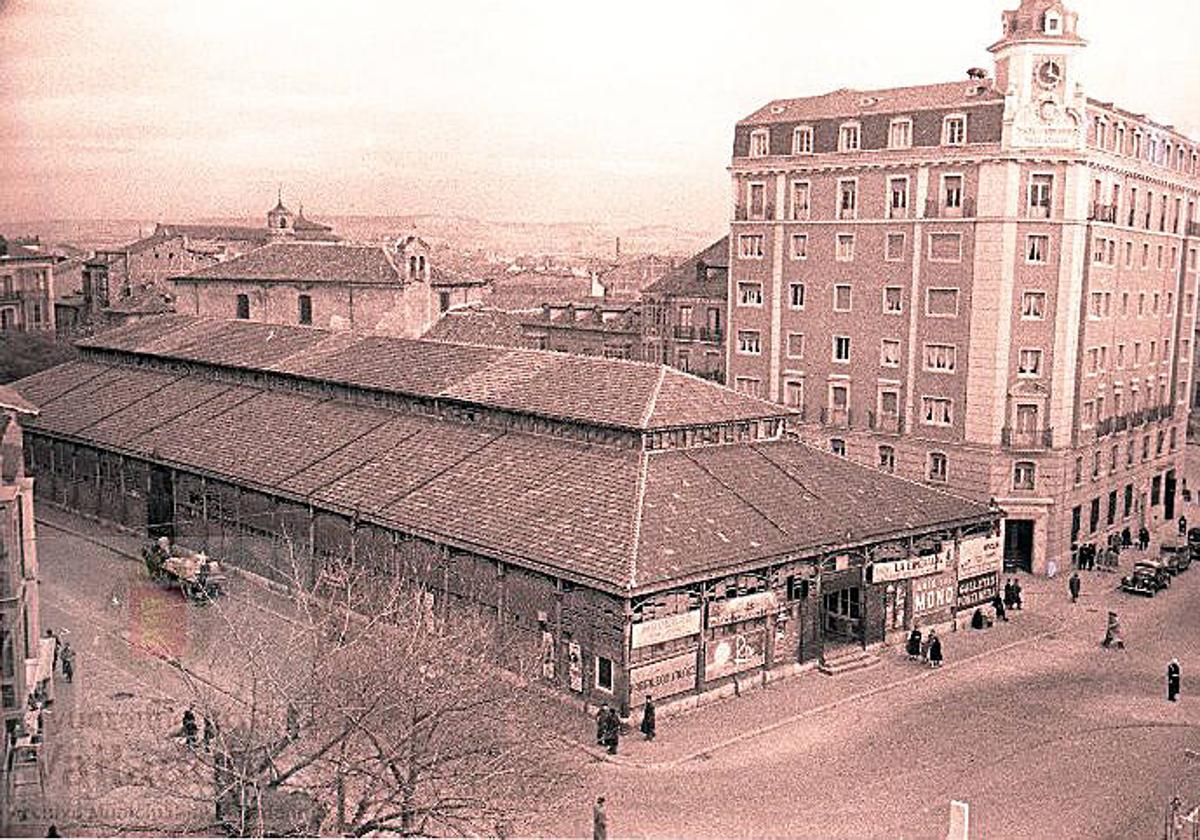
(1053, 23)
(954, 130)
(760, 143)
(848, 137)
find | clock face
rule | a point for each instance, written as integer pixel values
(1049, 73)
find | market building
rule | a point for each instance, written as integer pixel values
(627, 527)
(986, 284)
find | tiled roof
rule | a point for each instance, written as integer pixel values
(447, 277)
(853, 103)
(10, 399)
(304, 223)
(684, 281)
(237, 233)
(550, 503)
(584, 389)
(492, 327)
(306, 262)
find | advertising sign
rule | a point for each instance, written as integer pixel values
(575, 666)
(663, 679)
(547, 655)
(733, 653)
(931, 594)
(664, 629)
(977, 590)
(742, 608)
(909, 567)
(978, 556)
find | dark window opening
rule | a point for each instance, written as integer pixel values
(243, 307)
(305, 309)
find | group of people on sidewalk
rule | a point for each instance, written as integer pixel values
(927, 649)
(608, 725)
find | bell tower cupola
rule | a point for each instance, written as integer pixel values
(280, 220)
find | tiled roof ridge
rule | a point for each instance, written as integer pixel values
(704, 469)
(652, 403)
(639, 507)
(12, 399)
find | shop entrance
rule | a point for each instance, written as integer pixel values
(1018, 545)
(1169, 497)
(841, 615)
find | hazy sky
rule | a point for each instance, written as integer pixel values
(616, 111)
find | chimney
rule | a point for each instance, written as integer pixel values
(977, 73)
(618, 247)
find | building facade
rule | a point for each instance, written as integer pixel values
(592, 328)
(19, 619)
(685, 313)
(627, 528)
(27, 292)
(987, 284)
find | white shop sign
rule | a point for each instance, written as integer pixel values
(663, 679)
(909, 567)
(665, 629)
(978, 556)
(742, 608)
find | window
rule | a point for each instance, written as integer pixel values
(793, 393)
(887, 459)
(838, 447)
(1088, 418)
(757, 200)
(1096, 304)
(750, 246)
(941, 358)
(685, 316)
(1038, 248)
(945, 247)
(897, 198)
(841, 297)
(801, 200)
(604, 674)
(841, 348)
(894, 247)
(802, 140)
(1033, 306)
(847, 199)
(749, 342)
(796, 295)
(900, 134)
(795, 345)
(1029, 362)
(952, 192)
(893, 302)
(845, 247)
(936, 411)
(685, 360)
(1024, 474)
(1053, 25)
(800, 246)
(954, 130)
(243, 307)
(1041, 191)
(889, 402)
(1079, 470)
(839, 396)
(750, 294)
(748, 385)
(760, 143)
(937, 466)
(941, 303)
(889, 353)
(848, 138)
(305, 305)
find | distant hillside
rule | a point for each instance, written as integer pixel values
(568, 239)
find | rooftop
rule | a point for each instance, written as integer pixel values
(478, 325)
(685, 280)
(307, 262)
(619, 519)
(847, 102)
(606, 393)
(13, 401)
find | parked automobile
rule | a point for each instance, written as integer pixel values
(1175, 556)
(1146, 578)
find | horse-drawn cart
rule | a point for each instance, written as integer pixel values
(199, 578)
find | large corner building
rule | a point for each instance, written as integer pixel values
(987, 284)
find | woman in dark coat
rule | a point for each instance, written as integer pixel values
(913, 647)
(1010, 600)
(935, 650)
(998, 606)
(1173, 680)
(1016, 589)
(648, 719)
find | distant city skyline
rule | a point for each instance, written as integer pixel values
(511, 111)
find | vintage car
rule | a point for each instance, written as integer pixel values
(1175, 556)
(1146, 578)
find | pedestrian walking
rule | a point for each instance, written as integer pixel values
(601, 724)
(1017, 603)
(913, 647)
(210, 732)
(612, 734)
(925, 646)
(648, 718)
(1143, 538)
(50, 634)
(1183, 526)
(1010, 600)
(68, 663)
(1112, 633)
(1073, 585)
(1126, 538)
(1173, 680)
(599, 820)
(998, 606)
(190, 730)
(935, 650)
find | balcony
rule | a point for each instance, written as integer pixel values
(1193, 228)
(714, 335)
(1103, 213)
(685, 332)
(1137, 418)
(1028, 440)
(935, 210)
(1105, 427)
(836, 417)
(889, 423)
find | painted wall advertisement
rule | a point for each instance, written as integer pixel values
(978, 556)
(743, 608)
(735, 652)
(665, 629)
(977, 590)
(908, 567)
(933, 594)
(575, 666)
(663, 679)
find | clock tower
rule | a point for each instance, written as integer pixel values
(1036, 67)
